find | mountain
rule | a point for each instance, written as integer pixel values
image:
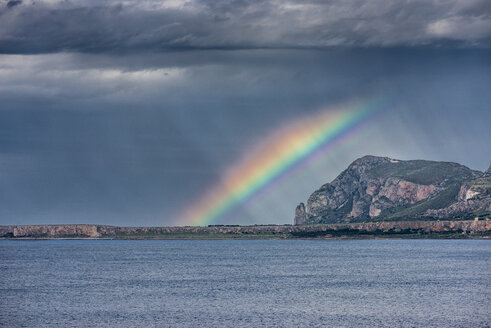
(384, 189)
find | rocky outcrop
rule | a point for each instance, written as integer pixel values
(487, 174)
(68, 230)
(300, 214)
(466, 208)
(380, 188)
(474, 198)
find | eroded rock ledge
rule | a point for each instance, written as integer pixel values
(482, 227)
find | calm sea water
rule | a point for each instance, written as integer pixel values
(245, 283)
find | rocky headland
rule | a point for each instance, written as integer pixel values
(384, 189)
(375, 197)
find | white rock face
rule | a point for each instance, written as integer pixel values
(467, 193)
(471, 194)
(374, 211)
(398, 191)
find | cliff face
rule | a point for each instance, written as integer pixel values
(380, 188)
(68, 230)
(474, 197)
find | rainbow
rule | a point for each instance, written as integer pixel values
(285, 150)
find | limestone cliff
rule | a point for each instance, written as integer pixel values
(380, 188)
(474, 197)
(62, 230)
(462, 229)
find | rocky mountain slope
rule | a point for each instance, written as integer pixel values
(384, 189)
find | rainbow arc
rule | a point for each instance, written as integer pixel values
(285, 150)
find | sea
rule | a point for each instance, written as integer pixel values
(245, 283)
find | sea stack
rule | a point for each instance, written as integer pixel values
(300, 214)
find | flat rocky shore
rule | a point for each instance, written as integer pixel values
(397, 229)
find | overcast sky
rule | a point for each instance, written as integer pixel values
(127, 112)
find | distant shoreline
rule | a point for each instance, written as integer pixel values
(415, 236)
(450, 229)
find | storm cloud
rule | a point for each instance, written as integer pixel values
(110, 26)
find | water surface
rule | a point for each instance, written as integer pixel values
(245, 283)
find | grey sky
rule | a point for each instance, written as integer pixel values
(125, 113)
(110, 26)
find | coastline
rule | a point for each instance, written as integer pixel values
(487, 237)
(450, 229)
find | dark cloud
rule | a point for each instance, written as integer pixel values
(107, 26)
(13, 3)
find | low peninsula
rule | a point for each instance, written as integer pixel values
(399, 229)
(375, 197)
